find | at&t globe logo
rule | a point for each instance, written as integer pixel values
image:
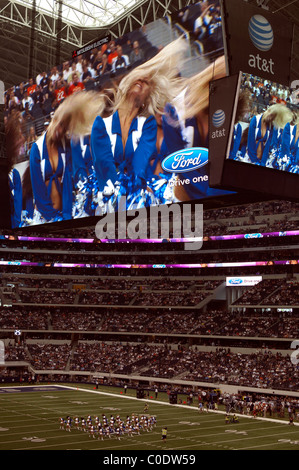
(262, 37)
(261, 33)
(218, 120)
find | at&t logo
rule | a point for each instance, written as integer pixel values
(218, 120)
(262, 37)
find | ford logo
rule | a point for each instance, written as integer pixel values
(186, 160)
(253, 235)
(235, 281)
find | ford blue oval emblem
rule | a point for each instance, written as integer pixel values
(235, 281)
(186, 160)
(253, 235)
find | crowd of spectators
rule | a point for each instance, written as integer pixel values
(140, 284)
(32, 103)
(271, 292)
(170, 299)
(93, 297)
(88, 297)
(286, 294)
(35, 100)
(264, 93)
(118, 358)
(250, 225)
(261, 369)
(206, 256)
(171, 322)
(17, 318)
(48, 356)
(256, 294)
(47, 296)
(140, 292)
(15, 353)
(215, 323)
(202, 20)
(256, 209)
(264, 268)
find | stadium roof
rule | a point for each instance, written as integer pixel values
(76, 22)
(80, 22)
(85, 13)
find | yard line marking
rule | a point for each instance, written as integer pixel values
(235, 441)
(263, 445)
(189, 407)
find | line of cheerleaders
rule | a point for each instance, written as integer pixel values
(270, 139)
(112, 427)
(103, 145)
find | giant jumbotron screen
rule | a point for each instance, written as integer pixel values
(124, 118)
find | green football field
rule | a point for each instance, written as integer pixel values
(30, 420)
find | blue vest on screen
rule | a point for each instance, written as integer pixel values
(15, 187)
(41, 171)
(255, 139)
(109, 156)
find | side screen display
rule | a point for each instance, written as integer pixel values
(266, 128)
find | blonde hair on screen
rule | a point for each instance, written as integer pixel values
(77, 113)
(280, 115)
(197, 88)
(163, 74)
